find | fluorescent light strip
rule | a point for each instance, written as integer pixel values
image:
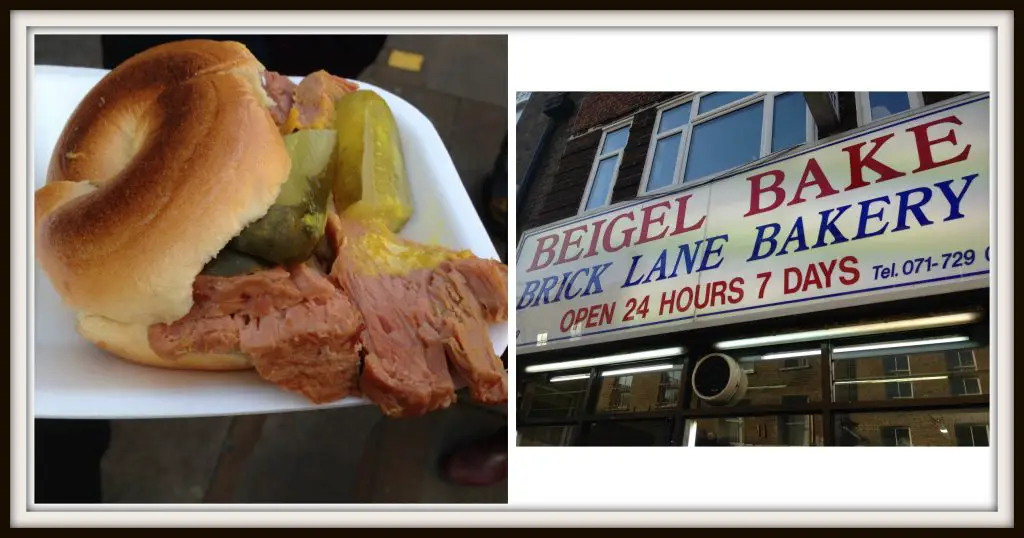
(865, 347)
(791, 354)
(638, 369)
(854, 330)
(574, 377)
(601, 361)
(892, 380)
(904, 343)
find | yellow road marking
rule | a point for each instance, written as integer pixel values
(408, 61)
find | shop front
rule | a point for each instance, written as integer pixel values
(833, 294)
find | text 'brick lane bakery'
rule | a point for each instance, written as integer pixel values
(874, 238)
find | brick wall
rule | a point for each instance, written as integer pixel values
(600, 108)
(643, 395)
(634, 156)
(546, 200)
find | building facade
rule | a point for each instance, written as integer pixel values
(752, 268)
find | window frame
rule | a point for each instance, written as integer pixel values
(598, 157)
(740, 424)
(863, 105)
(697, 119)
(898, 372)
(624, 391)
(831, 410)
(801, 363)
(664, 387)
(960, 366)
(896, 438)
(522, 98)
(963, 380)
(970, 428)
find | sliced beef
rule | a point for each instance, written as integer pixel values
(419, 322)
(417, 316)
(299, 330)
(282, 90)
(307, 105)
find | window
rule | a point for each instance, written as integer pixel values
(948, 427)
(896, 436)
(668, 388)
(966, 386)
(521, 99)
(961, 360)
(971, 434)
(621, 392)
(845, 372)
(732, 432)
(789, 364)
(909, 372)
(710, 133)
(556, 397)
(545, 436)
(606, 168)
(898, 366)
(758, 430)
(794, 430)
(873, 106)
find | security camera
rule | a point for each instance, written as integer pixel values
(718, 379)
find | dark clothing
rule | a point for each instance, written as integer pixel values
(294, 55)
(67, 460)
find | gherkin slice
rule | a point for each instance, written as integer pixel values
(294, 224)
(371, 176)
(233, 263)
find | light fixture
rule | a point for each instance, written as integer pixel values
(574, 377)
(904, 343)
(853, 330)
(865, 347)
(791, 354)
(891, 380)
(601, 361)
(638, 369)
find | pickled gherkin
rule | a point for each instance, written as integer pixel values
(230, 262)
(371, 177)
(294, 224)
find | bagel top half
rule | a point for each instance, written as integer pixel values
(163, 162)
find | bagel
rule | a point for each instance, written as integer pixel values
(165, 160)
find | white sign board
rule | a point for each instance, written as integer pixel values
(898, 210)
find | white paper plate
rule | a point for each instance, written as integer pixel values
(74, 379)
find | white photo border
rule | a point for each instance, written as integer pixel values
(527, 465)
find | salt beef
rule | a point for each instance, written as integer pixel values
(403, 336)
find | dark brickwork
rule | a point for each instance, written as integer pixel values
(603, 107)
(545, 201)
(631, 170)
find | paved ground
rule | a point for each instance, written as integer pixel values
(331, 456)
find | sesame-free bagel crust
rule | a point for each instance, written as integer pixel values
(171, 155)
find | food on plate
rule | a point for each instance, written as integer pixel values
(203, 213)
(371, 171)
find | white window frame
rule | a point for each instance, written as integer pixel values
(970, 428)
(598, 157)
(910, 436)
(521, 99)
(965, 392)
(900, 373)
(960, 366)
(803, 421)
(740, 425)
(801, 363)
(864, 107)
(697, 118)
